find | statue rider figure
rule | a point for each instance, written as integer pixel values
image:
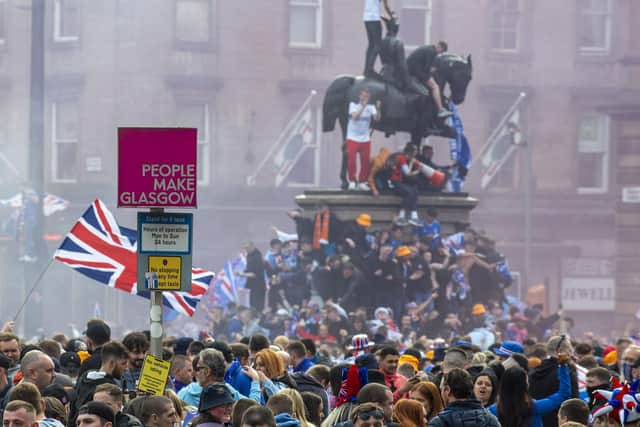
(373, 25)
(420, 67)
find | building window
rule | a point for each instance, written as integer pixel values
(305, 23)
(3, 22)
(65, 131)
(593, 153)
(505, 25)
(193, 19)
(66, 21)
(196, 115)
(594, 26)
(415, 23)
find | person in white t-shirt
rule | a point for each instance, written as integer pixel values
(358, 142)
(373, 25)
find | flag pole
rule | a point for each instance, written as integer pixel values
(33, 288)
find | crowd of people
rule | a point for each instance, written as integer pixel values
(399, 326)
(292, 381)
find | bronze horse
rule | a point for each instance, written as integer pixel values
(401, 111)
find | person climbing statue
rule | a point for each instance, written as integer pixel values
(420, 67)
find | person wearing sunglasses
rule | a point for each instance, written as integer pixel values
(367, 415)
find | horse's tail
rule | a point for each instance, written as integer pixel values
(334, 101)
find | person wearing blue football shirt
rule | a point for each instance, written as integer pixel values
(431, 226)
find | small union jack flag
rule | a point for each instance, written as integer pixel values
(100, 249)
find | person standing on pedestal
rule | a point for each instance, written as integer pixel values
(358, 142)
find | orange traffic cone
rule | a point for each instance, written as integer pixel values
(435, 177)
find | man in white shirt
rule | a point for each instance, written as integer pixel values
(373, 25)
(358, 142)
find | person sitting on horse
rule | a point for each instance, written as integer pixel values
(420, 66)
(358, 143)
(404, 184)
(373, 25)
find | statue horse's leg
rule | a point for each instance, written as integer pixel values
(344, 183)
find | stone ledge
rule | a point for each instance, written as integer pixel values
(452, 207)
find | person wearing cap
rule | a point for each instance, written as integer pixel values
(414, 275)
(355, 238)
(480, 336)
(95, 414)
(360, 345)
(215, 407)
(98, 333)
(507, 348)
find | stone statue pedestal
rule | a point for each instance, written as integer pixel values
(452, 208)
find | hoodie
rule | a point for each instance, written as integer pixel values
(286, 420)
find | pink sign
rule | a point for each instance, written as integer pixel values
(157, 167)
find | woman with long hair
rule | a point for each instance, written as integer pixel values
(515, 407)
(270, 370)
(299, 410)
(427, 394)
(485, 387)
(313, 405)
(409, 413)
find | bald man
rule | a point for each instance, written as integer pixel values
(38, 368)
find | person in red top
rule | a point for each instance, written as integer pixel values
(388, 359)
(403, 185)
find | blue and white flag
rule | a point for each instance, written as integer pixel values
(460, 152)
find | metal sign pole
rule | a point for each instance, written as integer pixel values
(155, 328)
(155, 315)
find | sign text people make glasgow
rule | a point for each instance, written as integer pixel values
(157, 167)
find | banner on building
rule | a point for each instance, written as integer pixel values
(588, 285)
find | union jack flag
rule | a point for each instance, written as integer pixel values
(100, 249)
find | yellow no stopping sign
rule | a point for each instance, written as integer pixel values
(168, 270)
